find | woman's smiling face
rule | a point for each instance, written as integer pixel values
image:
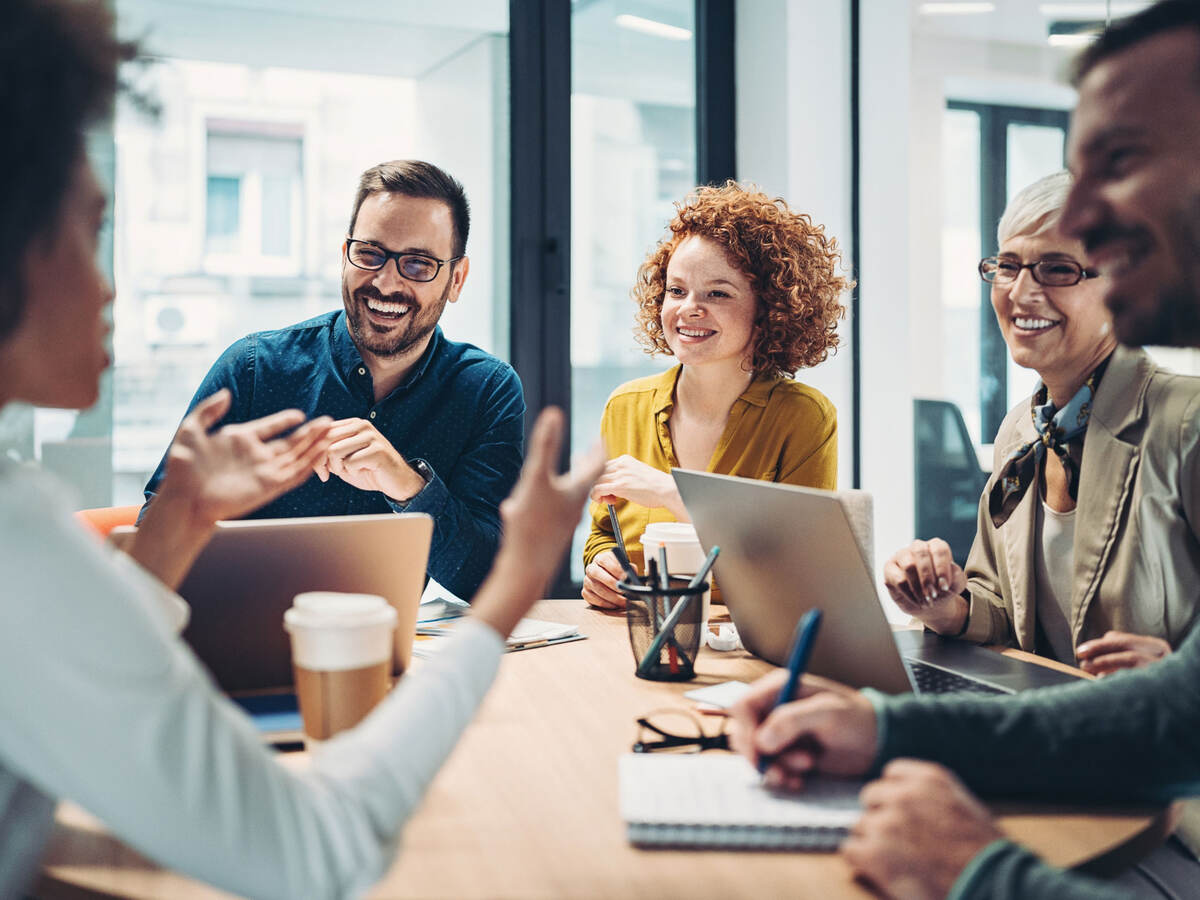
(709, 307)
(1060, 332)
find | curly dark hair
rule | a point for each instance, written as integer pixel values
(58, 74)
(792, 265)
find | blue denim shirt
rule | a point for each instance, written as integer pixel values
(461, 410)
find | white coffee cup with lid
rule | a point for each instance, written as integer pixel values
(341, 656)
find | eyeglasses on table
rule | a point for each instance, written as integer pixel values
(678, 731)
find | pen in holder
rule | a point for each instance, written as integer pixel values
(664, 626)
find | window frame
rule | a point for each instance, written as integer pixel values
(994, 120)
(540, 92)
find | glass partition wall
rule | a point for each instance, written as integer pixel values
(633, 155)
(232, 201)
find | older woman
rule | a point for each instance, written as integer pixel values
(1084, 550)
(742, 292)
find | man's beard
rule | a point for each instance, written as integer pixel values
(1172, 317)
(1172, 320)
(418, 323)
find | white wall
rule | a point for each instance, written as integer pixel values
(890, 211)
(794, 141)
(462, 126)
(793, 103)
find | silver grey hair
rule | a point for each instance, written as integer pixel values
(1036, 208)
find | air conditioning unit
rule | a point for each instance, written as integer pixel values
(179, 319)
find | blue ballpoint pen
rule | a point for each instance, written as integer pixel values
(802, 647)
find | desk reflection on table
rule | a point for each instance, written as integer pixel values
(527, 804)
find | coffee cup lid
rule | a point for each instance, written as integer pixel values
(327, 609)
(670, 532)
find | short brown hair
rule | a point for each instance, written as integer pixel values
(415, 178)
(1167, 15)
(58, 74)
(791, 263)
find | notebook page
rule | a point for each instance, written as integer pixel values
(713, 789)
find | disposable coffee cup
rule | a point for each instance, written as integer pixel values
(685, 555)
(341, 657)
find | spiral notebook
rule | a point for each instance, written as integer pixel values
(718, 801)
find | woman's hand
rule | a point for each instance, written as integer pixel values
(539, 517)
(926, 582)
(600, 581)
(1120, 650)
(232, 471)
(222, 474)
(626, 478)
(827, 728)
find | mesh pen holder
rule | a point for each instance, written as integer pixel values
(646, 609)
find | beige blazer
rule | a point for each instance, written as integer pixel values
(1137, 520)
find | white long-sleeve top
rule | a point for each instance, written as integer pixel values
(101, 703)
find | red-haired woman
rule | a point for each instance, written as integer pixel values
(743, 292)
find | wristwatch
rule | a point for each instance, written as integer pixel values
(422, 468)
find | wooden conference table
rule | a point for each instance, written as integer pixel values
(527, 804)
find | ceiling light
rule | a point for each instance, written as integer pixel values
(650, 26)
(1072, 41)
(955, 9)
(1073, 34)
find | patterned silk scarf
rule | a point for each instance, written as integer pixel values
(1057, 429)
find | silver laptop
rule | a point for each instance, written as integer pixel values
(787, 549)
(247, 575)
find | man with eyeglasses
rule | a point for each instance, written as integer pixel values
(1133, 736)
(422, 424)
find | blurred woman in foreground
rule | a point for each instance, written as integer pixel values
(102, 703)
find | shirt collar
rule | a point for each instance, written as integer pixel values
(664, 391)
(349, 360)
(757, 394)
(759, 391)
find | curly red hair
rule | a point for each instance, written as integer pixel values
(793, 267)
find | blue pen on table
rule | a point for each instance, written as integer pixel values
(802, 647)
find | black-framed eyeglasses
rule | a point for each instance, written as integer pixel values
(677, 731)
(413, 266)
(1047, 272)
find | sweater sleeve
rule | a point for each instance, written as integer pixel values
(112, 711)
(1004, 871)
(1134, 735)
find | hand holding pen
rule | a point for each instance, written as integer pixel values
(606, 569)
(822, 727)
(802, 647)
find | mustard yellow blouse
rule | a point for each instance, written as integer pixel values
(778, 430)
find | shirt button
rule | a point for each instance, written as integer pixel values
(372, 414)
(362, 371)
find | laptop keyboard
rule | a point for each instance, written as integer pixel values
(932, 680)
